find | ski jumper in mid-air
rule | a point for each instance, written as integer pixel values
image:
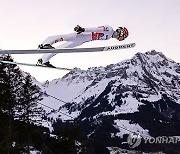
(80, 36)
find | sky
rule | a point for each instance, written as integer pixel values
(152, 25)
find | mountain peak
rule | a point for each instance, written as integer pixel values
(153, 55)
(141, 94)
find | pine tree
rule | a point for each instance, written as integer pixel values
(18, 100)
(28, 110)
(10, 86)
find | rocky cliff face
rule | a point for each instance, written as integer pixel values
(140, 95)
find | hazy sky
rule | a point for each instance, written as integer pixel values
(152, 24)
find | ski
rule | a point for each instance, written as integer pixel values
(57, 68)
(69, 50)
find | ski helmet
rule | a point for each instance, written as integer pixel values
(122, 31)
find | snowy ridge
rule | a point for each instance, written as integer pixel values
(146, 77)
(133, 127)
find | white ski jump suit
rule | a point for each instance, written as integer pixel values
(74, 39)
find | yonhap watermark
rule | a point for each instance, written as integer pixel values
(162, 140)
(134, 140)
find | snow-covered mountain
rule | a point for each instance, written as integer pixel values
(141, 95)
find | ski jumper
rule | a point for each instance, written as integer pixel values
(74, 39)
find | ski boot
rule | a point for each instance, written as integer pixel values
(46, 46)
(46, 64)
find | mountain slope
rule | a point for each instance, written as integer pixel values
(141, 95)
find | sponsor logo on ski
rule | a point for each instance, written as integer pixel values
(121, 46)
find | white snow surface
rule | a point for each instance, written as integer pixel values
(131, 74)
(126, 127)
(62, 90)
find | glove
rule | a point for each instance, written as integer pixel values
(79, 29)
